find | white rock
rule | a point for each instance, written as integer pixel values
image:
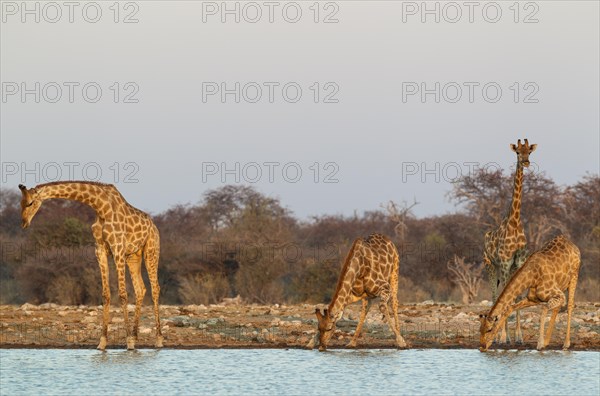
(28, 307)
(461, 315)
(145, 330)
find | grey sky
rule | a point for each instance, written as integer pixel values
(373, 141)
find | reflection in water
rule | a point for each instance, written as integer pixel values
(413, 371)
(123, 357)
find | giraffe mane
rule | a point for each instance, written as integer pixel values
(93, 183)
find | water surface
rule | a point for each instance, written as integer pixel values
(298, 372)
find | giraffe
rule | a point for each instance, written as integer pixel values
(121, 230)
(505, 248)
(547, 273)
(370, 270)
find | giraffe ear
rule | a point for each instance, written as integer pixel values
(22, 187)
(513, 147)
(532, 148)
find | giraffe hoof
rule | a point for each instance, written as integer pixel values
(351, 344)
(102, 345)
(539, 346)
(159, 342)
(130, 343)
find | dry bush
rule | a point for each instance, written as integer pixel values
(588, 290)
(409, 292)
(91, 281)
(467, 276)
(260, 282)
(203, 289)
(10, 293)
(65, 290)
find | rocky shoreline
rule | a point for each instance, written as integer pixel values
(235, 325)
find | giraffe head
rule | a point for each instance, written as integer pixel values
(523, 151)
(30, 203)
(486, 331)
(326, 327)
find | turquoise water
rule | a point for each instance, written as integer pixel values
(297, 372)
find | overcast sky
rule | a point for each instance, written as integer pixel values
(331, 116)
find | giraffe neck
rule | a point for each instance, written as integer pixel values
(340, 300)
(93, 195)
(515, 205)
(344, 286)
(521, 280)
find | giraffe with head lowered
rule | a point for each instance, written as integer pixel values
(120, 230)
(547, 273)
(370, 270)
(505, 248)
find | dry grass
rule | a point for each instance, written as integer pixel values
(203, 289)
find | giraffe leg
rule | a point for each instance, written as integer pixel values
(151, 255)
(394, 292)
(120, 264)
(551, 326)
(505, 273)
(103, 262)
(520, 258)
(400, 341)
(134, 263)
(556, 301)
(518, 332)
(540, 344)
(384, 308)
(570, 306)
(504, 336)
(366, 305)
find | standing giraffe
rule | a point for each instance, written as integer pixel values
(370, 271)
(505, 248)
(121, 230)
(547, 273)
